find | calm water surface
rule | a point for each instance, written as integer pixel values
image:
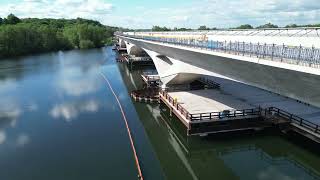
(59, 120)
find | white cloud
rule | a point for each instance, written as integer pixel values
(213, 13)
(58, 8)
(230, 13)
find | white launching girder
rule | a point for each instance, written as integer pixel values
(132, 49)
(173, 71)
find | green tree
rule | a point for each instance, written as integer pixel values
(181, 29)
(86, 44)
(109, 41)
(32, 35)
(268, 25)
(49, 38)
(71, 33)
(312, 25)
(1, 21)
(291, 26)
(12, 19)
(158, 28)
(244, 26)
(203, 28)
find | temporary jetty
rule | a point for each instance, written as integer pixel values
(147, 95)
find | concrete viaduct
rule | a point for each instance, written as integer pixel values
(283, 61)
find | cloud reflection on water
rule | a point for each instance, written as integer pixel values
(10, 112)
(8, 85)
(70, 111)
(3, 137)
(74, 82)
(22, 140)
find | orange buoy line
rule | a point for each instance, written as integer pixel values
(127, 126)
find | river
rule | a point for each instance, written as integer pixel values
(59, 120)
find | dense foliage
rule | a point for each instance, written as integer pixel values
(244, 26)
(26, 36)
(268, 25)
(158, 28)
(203, 28)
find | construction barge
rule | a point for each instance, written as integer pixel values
(135, 61)
(192, 112)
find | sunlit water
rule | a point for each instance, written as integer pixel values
(59, 121)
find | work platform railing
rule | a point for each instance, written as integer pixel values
(298, 55)
(254, 112)
(225, 114)
(294, 119)
(210, 115)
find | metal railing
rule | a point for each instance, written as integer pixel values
(259, 112)
(225, 114)
(284, 32)
(210, 115)
(289, 54)
(175, 104)
(295, 119)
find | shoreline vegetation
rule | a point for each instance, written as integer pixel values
(27, 36)
(244, 26)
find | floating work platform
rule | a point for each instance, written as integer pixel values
(121, 49)
(147, 95)
(139, 61)
(135, 61)
(210, 111)
(122, 58)
(219, 110)
(304, 119)
(151, 80)
(150, 92)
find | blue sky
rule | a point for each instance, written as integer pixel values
(170, 13)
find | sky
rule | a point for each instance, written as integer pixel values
(170, 13)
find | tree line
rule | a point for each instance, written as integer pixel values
(244, 26)
(32, 35)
